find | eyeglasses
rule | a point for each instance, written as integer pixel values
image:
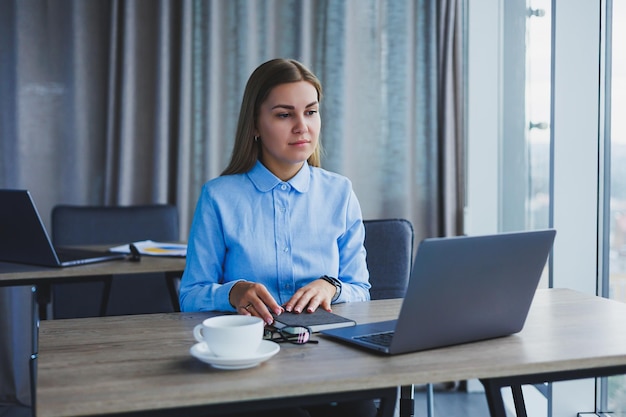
(296, 335)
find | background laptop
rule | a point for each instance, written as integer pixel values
(462, 289)
(23, 236)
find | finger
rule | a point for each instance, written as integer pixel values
(254, 299)
(304, 302)
(266, 305)
(263, 304)
(325, 304)
(291, 303)
(298, 301)
(269, 302)
(259, 309)
(314, 303)
(244, 310)
(260, 312)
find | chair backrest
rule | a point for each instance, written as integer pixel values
(103, 225)
(389, 246)
(113, 225)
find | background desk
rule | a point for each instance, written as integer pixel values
(22, 320)
(142, 363)
(12, 274)
(18, 274)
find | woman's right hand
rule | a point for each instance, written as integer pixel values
(253, 299)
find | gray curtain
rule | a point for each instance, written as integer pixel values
(90, 99)
(392, 107)
(133, 102)
(125, 102)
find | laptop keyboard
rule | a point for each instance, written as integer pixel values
(381, 339)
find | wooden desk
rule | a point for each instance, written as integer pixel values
(138, 364)
(18, 274)
(12, 274)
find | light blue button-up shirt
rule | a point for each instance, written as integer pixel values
(255, 227)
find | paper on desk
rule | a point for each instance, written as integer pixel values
(152, 248)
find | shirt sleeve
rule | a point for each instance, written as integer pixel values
(202, 285)
(353, 272)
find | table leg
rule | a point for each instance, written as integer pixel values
(430, 400)
(42, 297)
(35, 346)
(388, 401)
(407, 401)
(518, 399)
(106, 292)
(494, 398)
(172, 287)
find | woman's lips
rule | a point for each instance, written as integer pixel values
(300, 142)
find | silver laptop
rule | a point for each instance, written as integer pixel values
(462, 289)
(24, 239)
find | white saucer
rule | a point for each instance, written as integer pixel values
(266, 350)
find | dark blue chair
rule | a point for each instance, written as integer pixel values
(389, 245)
(114, 225)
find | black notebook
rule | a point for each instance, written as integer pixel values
(316, 321)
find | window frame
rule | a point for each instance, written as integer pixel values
(576, 184)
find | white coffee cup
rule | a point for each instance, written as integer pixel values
(231, 336)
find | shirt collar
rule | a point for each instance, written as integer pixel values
(264, 180)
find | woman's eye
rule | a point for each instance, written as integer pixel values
(282, 115)
(311, 112)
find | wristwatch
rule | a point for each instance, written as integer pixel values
(334, 281)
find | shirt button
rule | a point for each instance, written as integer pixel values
(285, 249)
(283, 187)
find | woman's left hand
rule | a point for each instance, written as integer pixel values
(318, 293)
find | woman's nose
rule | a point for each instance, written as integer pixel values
(300, 125)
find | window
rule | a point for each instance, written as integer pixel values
(546, 170)
(538, 65)
(613, 392)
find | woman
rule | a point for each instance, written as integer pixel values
(275, 232)
(273, 223)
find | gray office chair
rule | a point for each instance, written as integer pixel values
(113, 225)
(18, 351)
(389, 246)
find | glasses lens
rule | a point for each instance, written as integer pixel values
(298, 335)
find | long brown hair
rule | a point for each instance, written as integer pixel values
(246, 149)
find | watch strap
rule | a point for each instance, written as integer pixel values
(334, 281)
